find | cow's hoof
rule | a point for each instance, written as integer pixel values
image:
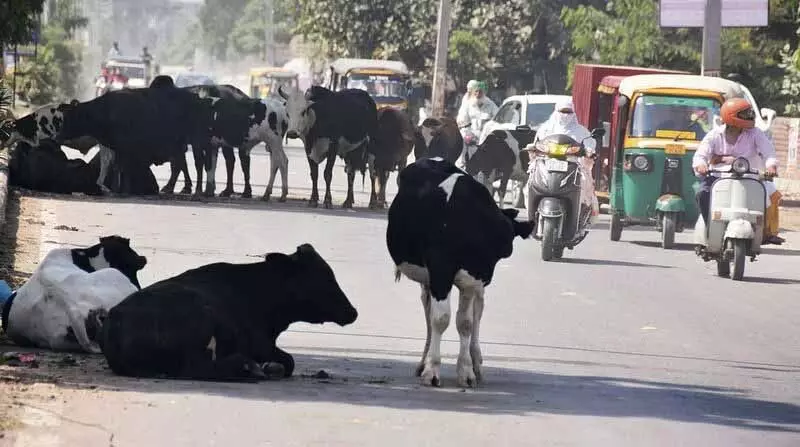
(274, 370)
(265, 198)
(282, 199)
(347, 205)
(327, 205)
(466, 377)
(253, 371)
(420, 368)
(247, 194)
(167, 191)
(186, 190)
(313, 203)
(226, 193)
(430, 376)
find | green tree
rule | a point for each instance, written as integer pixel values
(19, 19)
(217, 19)
(248, 34)
(468, 57)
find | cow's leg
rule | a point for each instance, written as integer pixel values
(283, 166)
(197, 365)
(177, 165)
(277, 161)
(106, 158)
(351, 178)
(313, 169)
(283, 359)
(187, 180)
(244, 159)
(474, 343)
(520, 203)
(384, 181)
(230, 161)
(425, 296)
(373, 179)
(211, 169)
(501, 192)
(199, 153)
(464, 324)
(327, 174)
(442, 274)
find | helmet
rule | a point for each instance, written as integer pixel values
(737, 112)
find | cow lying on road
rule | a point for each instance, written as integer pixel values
(445, 229)
(500, 156)
(220, 321)
(51, 309)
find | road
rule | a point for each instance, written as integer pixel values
(621, 344)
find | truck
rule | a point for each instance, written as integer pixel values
(586, 80)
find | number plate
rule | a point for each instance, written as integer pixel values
(555, 165)
(675, 149)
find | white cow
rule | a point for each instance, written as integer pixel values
(51, 309)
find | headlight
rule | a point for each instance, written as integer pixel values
(641, 163)
(741, 166)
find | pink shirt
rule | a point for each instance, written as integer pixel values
(751, 144)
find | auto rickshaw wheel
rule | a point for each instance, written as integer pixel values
(616, 226)
(668, 225)
(739, 255)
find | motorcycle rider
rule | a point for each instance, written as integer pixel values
(738, 137)
(563, 121)
(475, 110)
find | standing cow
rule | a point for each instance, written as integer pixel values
(500, 155)
(438, 137)
(329, 124)
(445, 229)
(389, 151)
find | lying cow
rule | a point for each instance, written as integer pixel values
(45, 123)
(220, 321)
(438, 137)
(329, 124)
(51, 309)
(445, 229)
(500, 156)
(393, 143)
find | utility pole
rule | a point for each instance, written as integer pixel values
(712, 47)
(440, 63)
(269, 27)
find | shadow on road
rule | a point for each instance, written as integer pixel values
(654, 244)
(376, 382)
(762, 280)
(609, 262)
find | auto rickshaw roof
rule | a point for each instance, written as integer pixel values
(276, 72)
(343, 65)
(124, 60)
(725, 87)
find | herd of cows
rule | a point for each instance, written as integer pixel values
(137, 128)
(218, 321)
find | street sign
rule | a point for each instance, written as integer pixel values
(691, 13)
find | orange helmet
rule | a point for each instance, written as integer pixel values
(737, 112)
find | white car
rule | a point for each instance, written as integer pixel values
(517, 110)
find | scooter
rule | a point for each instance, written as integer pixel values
(736, 213)
(554, 193)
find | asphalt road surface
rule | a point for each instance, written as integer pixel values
(619, 344)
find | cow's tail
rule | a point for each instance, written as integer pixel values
(95, 323)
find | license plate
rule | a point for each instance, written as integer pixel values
(556, 165)
(675, 149)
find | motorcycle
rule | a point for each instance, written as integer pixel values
(736, 212)
(554, 193)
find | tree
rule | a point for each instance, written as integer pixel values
(248, 33)
(19, 20)
(217, 19)
(468, 57)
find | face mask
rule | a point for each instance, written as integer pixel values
(564, 118)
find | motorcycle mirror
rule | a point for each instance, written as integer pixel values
(598, 132)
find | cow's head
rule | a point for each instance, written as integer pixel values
(300, 111)
(314, 295)
(116, 252)
(162, 81)
(70, 122)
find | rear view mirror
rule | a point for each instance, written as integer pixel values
(598, 132)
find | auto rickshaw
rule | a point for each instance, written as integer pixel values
(657, 122)
(388, 82)
(265, 81)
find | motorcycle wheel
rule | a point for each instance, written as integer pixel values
(549, 238)
(739, 253)
(616, 226)
(668, 226)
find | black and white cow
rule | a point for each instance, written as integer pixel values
(501, 155)
(389, 151)
(445, 229)
(220, 321)
(438, 137)
(45, 123)
(51, 309)
(329, 124)
(142, 126)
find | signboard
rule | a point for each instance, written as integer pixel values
(735, 13)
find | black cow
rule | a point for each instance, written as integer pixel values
(330, 124)
(389, 151)
(501, 155)
(445, 229)
(438, 137)
(142, 126)
(220, 321)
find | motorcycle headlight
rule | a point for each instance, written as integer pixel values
(741, 166)
(641, 163)
(558, 150)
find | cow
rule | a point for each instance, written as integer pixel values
(220, 321)
(389, 151)
(142, 126)
(438, 137)
(242, 122)
(44, 124)
(445, 229)
(329, 124)
(501, 155)
(51, 309)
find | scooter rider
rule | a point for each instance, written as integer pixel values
(563, 121)
(738, 137)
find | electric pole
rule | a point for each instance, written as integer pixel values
(712, 47)
(269, 28)
(440, 63)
